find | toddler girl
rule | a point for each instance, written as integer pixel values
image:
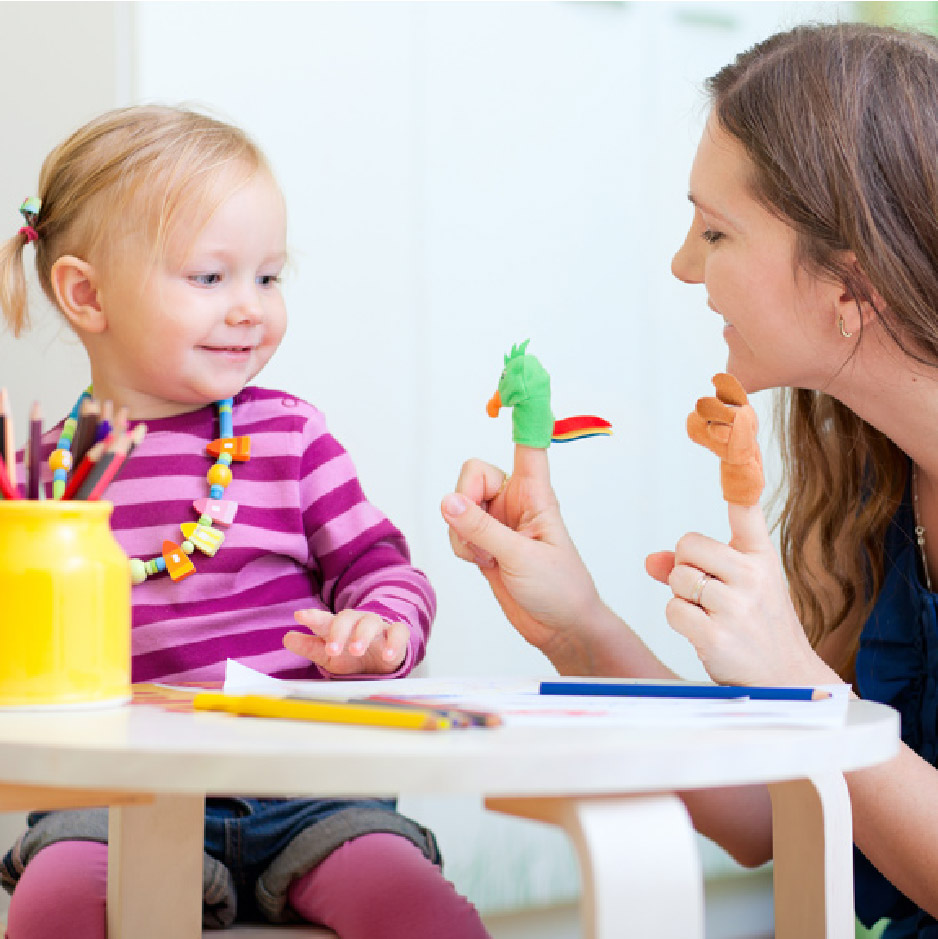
(160, 235)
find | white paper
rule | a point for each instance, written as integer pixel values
(518, 702)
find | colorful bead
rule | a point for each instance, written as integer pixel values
(60, 460)
(177, 564)
(207, 540)
(238, 448)
(220, 511)
(215, 509)
(219, 475)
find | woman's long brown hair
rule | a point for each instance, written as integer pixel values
(841, 124)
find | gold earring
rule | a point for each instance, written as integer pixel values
(843, 328)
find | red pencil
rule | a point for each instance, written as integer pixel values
(84, 468)
(109, 465)
(7, 488)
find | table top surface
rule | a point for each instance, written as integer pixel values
(148, 749)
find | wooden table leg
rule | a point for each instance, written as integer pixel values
(812, 836)
(154, 885)
(638, 858)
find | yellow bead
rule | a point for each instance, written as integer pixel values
(60, 459)
(219, 475)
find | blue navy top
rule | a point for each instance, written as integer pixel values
(897, 664)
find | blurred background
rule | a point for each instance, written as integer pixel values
(459, 177)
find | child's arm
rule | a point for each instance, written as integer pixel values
(378, 607)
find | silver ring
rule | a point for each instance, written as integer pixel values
(698, 589)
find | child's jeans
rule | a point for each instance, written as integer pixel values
(265, 854)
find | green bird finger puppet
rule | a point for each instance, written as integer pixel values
(524, 387)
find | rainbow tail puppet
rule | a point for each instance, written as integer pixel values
(524, 387)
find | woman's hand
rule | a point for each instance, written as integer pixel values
(731, 601)
(511, 527)
(349, 642)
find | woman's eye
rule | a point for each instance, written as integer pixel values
(205, 280)
(711, 236)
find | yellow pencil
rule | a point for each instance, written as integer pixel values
(325, 711)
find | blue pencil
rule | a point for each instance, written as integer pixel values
(677, 690)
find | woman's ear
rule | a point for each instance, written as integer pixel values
(851, 312)
(75, 285)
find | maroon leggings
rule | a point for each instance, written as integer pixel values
(375, 885)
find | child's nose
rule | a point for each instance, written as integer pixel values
(246, 308)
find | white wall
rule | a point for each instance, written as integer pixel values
(459, 176)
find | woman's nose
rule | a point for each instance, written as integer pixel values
(687, 263)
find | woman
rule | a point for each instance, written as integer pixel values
(815, 233)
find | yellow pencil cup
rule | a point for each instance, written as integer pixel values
(64, 606)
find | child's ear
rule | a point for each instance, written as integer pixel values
(75, 285)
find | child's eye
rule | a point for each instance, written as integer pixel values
(205, 280)
(268, 280)
(711, 236)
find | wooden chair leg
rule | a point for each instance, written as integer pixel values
(639, 862)
(812, 836)
(154, 852)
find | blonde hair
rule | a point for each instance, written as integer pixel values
(127, 172)
(840, 124)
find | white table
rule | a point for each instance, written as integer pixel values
(610, 789)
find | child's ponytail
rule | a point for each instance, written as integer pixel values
(14, 290)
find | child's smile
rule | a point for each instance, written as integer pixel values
(198, 324)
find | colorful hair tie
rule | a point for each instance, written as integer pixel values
(30, 211)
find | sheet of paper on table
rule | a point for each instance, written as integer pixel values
(517, 701)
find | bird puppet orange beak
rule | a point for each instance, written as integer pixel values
(494, 405)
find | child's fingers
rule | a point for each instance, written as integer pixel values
(307, 645)
(317, 621)
(366, 628)
(397, 636)
(340, 629)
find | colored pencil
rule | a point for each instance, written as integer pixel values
(81, 471)
(106, 422)
(7, 489)
(459, 715)
(322, 711)
(33, 446)
(9, 436)
(679, 690)
(106, 468)
(86, 430)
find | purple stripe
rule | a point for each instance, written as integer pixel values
(321, 451)
(332, 504)
(336, 564)
(152, 665)
(293, 586)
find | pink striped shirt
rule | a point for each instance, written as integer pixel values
(304, 536)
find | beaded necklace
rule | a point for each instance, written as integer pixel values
(212, 511)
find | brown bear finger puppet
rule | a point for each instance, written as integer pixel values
(727, 425)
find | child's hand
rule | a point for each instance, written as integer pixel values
(727, 425)
(349, 642)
